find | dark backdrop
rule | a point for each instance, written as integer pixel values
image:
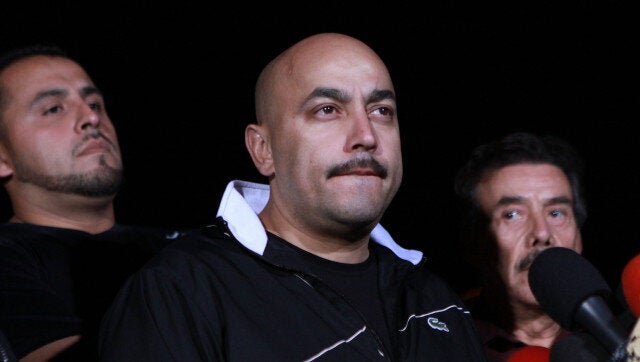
(178, 80)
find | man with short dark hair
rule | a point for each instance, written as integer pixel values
(63, 257)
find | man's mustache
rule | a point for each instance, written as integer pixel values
(359, 163)
(91, 135)
(526, 262)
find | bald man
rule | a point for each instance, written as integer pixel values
(299, 268)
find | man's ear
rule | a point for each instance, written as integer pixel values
(256, 140)
(6, 169)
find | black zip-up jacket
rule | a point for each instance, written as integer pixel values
(210, 296)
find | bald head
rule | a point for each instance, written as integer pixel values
(327, 137)
(303, 61)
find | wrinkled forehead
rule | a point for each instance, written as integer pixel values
(524, 181)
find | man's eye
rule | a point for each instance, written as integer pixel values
(96, 106)
(511, 214)
(385, 111)
(328, 109)
(53, 110)
(557, 213)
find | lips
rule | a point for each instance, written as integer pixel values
(360, 172)
(94, 145)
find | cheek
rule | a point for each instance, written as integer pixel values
(578, 245)
(505, 270)
(390, 145)
(48, 147)
(569, 237)
(113, 136)
(395, 162)
(504, 235)
(506, 258)
(291, 157)
(34, 147)
(507, 249)
(108, 128)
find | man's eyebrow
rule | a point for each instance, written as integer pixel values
(341, 96)
(61, 92)
(381, 94)
(333, 93)
(55, 92)
(558, 200)
(506, 200)
(90, 90)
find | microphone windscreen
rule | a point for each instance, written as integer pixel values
(561, 279)
(531, 354)
(631, 285)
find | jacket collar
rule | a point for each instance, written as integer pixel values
(242, 201)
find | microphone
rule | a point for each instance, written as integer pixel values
(631, 285)
(530, 354)
(6, 353)
(578, 346)
(572, 291)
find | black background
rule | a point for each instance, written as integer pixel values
(178, 80)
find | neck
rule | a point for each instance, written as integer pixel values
(92, 215)
(319, 242)
(535, 328)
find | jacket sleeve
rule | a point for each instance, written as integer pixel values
(154, 319)
(32, 312)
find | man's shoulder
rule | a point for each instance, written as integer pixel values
(149, 238)
(197, 260)
(201, 244)
(144, 230)
(9, 229)
(26, 231)
(13, 234)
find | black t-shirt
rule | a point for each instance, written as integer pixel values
(358, 283)
(56, 283)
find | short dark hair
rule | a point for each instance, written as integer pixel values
(13, 55)
(514, 148)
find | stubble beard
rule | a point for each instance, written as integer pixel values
(104, 181)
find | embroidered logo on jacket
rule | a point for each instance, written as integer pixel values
(433, 322)
(436, 324)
